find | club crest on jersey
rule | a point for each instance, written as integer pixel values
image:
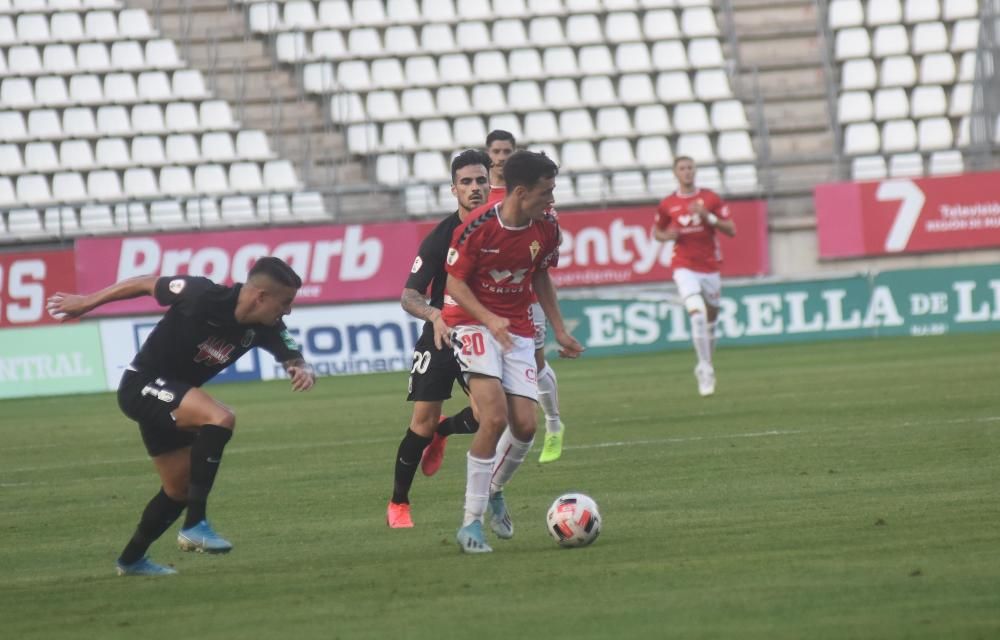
(535, 247)
(417, 263)
(176, 286)
(452, 256)
(248, 338)
(214, 351)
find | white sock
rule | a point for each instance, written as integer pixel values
(511, 452)
(700, 338)
(711, 335)
(477, 488)
(548, 397)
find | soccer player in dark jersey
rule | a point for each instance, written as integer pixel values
(434, 370)
(184, 429)
(500, 145)
(498, 258)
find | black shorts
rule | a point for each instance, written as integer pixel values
(434, 372)
(149, 401)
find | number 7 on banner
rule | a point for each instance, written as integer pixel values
(908, 213)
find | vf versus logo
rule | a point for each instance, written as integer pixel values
(502, 276)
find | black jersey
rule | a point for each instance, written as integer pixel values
(428, 267)
(199, 336)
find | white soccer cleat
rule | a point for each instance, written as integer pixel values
(706, 379)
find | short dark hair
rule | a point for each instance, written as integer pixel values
(526, 168)
(276, 269)
(500, 134)
(680, 159)
(468, 158)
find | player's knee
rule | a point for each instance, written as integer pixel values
(176, 489)
(695, 304)
(425, 425)
(223, 417)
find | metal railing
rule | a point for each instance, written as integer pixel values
(831, 77)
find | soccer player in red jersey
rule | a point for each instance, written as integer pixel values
(499, 145)
(690, 218)
(499, 255)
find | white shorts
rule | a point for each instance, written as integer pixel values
(477, 351)
(690, 283)
(538, 319)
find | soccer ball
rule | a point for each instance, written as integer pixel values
(573, 520)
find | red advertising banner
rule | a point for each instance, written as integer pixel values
(908, 215)
(343, 263)
(616, 246)
(27, 279)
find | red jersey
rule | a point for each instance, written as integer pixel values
(497, 263)
(499, 193)
(697, 246)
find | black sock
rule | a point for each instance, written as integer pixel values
(407, 459)
(159, 514)
(463, 422)
(206, 455)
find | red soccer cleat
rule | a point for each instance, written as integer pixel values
(397, 516)
(433, 455)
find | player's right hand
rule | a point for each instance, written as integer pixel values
(442, 333)
(66, 306)
(499, 329)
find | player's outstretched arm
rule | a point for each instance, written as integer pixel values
(545, 289)
(302, 374)
(496, 325)
(65, 306)
(665, 235)
(415, 304)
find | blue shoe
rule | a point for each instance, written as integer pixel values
(500, 518)
(143, 567)
(471, 540)
(203, 539)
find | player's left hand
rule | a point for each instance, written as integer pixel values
(571, 348)
(302, 377)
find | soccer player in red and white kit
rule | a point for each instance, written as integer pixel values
(690, 218)
(500, 145)
(497, 257)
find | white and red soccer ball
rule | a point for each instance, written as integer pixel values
(573, 520)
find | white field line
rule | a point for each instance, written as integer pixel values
(343, 443)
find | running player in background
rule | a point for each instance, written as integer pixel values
(497, 257)
(434, 370)
(690, 218)
(500, 145)
(207, 328)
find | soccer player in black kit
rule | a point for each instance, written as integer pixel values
(434, 369)
(184, 429)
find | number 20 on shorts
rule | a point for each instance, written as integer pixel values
(473, 344)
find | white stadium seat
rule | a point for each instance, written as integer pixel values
(579, 156)
(929, 37)
(613, 121)
(884, 12)
(561, 93)
(921, 10)
(937, 68)
(576, 124)
(654, 119)
(898, 71)
(861, 138)
(104, 185)
(140, 182)
(868, 168)
(217, 146)
(148, 151)
(935, 134)
(112, 152)
(674, 86)
(899, 135)
(858, 74)
(852, 43)
(906, 165)
(890, 40)
(541, 126)
(891, 104)
(698, 147)
(615, 153)
(596, 59)
(946, 162)
(928, 100)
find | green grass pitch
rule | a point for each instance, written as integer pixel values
(836, 490)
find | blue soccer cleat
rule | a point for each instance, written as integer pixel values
(203, 539)
(471, 540)
(143, 567)
(500, 518)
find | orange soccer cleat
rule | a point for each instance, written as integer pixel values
(433, 455)
(397, 516)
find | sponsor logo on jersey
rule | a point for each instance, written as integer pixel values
(535, 247)
(497, 251)
(417, 263)
(176, 286)
(248, 338)
(452, 256)
(514, 277)
(214, 351)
